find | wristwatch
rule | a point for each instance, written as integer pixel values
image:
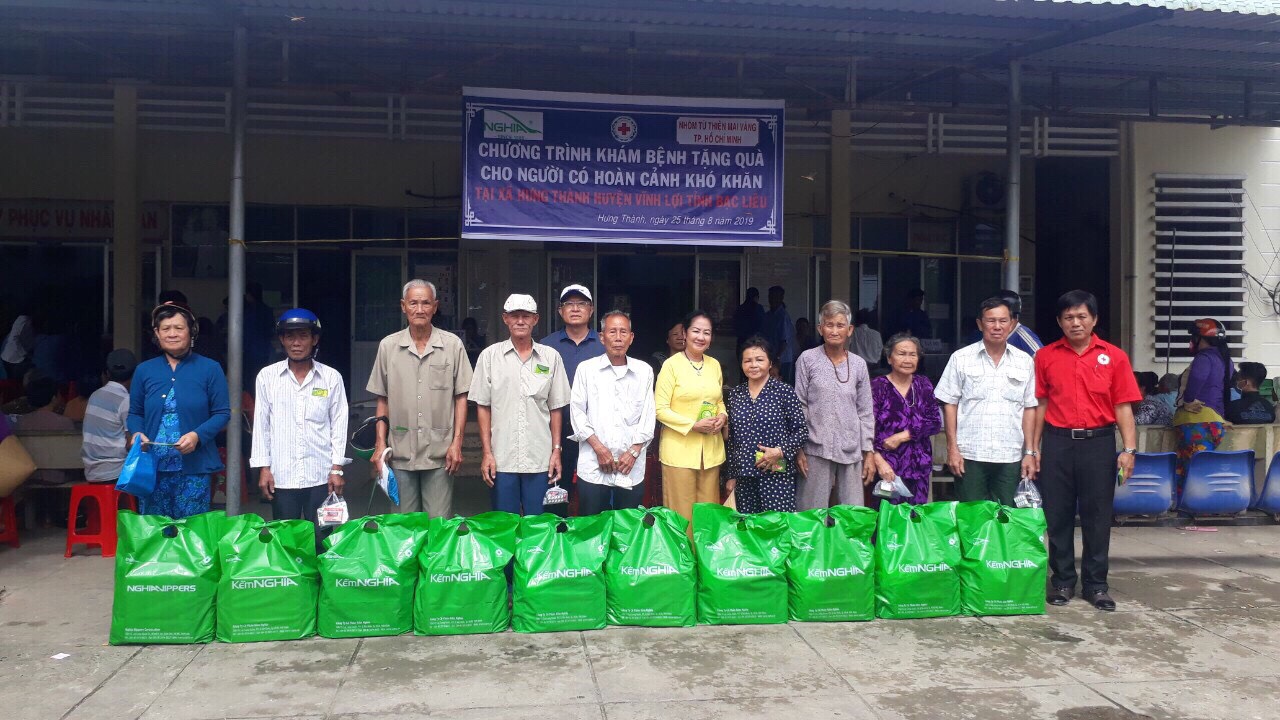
(634, 453)
(557, 447)
(1030, 453)
(1130, 451)
(335, 472)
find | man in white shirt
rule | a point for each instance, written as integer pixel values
(867, 342)
(300, 423)
(612, 411)
(989, 408)
(103, 449)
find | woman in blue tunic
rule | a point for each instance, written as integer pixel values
(766, 429)
(178, 404)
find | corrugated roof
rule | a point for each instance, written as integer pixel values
(1248, 7)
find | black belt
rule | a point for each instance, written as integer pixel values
(1082, 433)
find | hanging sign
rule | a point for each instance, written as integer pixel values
(611, 168)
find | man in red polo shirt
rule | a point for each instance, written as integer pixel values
(1086, 387)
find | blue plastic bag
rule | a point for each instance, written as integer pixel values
(138, 476)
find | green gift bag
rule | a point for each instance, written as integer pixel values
(462, 583)
(831, 565)
(649, 574)
(368, 574)
(917, 553)
(559, 573)
(1004, 563)
(166, 581)
(742, 574)
(269, 580)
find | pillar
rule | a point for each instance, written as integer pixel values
(839, 200)
(126, 281)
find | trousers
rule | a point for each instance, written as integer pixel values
(519, 493)
(594, 498)
(301, 504)
(426, 490)
(1079, 472)
(682, 487)
(989, 481)
(814, 490)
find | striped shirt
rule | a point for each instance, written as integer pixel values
(102, 450)
(300, 428)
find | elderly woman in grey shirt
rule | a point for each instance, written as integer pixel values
(835, 389)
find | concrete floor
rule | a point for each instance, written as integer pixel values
(1195, 637)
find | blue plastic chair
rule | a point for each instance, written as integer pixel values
(1149, 491)
(1267, 496)
(1218, 483)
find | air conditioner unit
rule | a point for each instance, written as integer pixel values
(986, 191)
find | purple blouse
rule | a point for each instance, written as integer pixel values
(1205, 380)
(918, 412)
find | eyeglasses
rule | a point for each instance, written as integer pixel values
(575, 305)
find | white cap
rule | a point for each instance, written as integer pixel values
(578, 289)
(519, 302)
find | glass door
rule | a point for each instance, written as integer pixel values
(376, 279)
(441, 269)
(719, 291)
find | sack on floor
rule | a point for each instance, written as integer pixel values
(269, 580)
(138, 474)
(650, 577)
(166, 581)
(1004, 564)
(462, 580)
(368, 574)
(742, 574)
(559, 573)
(831, 565)
(917, 553)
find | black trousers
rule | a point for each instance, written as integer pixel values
(1079, 472)
(593, 498)
(301, 504)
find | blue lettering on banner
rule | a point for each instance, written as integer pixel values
(611, 168)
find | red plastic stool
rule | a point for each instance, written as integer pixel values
(100, 528)
(218, 480)
(9, 518)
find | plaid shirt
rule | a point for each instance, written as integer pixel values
(990, 401)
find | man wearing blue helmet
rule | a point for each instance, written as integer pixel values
(300, 423)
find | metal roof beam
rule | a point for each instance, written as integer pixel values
(1080, 33)
(1003, 56)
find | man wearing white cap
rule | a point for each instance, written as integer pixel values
(519, 388)
(575, 343)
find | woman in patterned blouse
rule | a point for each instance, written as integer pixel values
(907, 416)
(766, 430)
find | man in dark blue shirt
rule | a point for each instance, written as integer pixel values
(575, 343)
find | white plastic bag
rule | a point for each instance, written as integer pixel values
(1027, 495)
(556, 495)
(333, 511)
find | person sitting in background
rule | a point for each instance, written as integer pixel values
(42, 395)
(1251, 408)
(1167, 390)
(103, 449)
(76, 406)
(1152, 410)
